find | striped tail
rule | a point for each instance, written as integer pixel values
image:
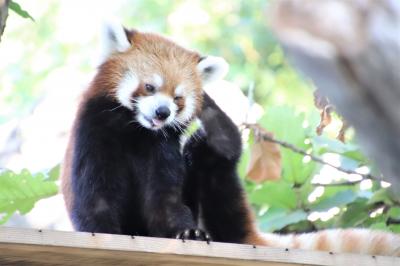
(362, 241)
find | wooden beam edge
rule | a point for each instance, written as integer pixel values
(25, 236)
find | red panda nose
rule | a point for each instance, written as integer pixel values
(162, 112)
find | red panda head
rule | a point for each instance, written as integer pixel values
(160, 81)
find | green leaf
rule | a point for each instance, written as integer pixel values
(379, 226)
(245, 158)
(287, 126)
(381, 195)
(394, 213)
(275, 194)
(339, 199)
(5, 217)
(54, 173)
(304, 191)
(355, 215)
(323, 144)
(357, 156)
(395, 228)
(18, 9)
(330, 192)
(243, 163)
(191, 129)
(276, 218)
(20, 192)
(348, 163)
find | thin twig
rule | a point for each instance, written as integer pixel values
(338, 184)
(391, 220)
(295, 149)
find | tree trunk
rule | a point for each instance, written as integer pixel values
(3, 15)
(351, 50)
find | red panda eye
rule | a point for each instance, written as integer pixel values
(177, 98)
(150, 88)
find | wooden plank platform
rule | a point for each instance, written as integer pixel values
(20, 246)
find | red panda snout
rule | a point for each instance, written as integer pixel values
(162, 113)
(160, 109)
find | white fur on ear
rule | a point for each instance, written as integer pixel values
(114, 39)
(212, 68)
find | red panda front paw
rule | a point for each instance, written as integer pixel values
(194, 234)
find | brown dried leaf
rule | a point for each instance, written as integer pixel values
(326, 119)
(265, 159)
(322, 103)
(342, 133)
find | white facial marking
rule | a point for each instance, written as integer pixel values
(127, 86)
(212, 68)
(189, 109)
(158, 81)
(147, 107)
(179, 90)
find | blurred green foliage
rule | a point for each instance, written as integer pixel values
(18, 9)
(238, 31)
(287, 205)
(19, 192)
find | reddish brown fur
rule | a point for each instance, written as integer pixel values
(322, 242)
(253, 237)
(350, 241)
(152, 53)
(141, 91)
(296, 242)
(379, 244)
(65, 178)
(66, 166)
(180, 102)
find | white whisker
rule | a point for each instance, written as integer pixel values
(113, 109)
(164, 133)
(131, 122)
(179, 126)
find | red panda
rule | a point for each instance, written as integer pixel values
(123, 169)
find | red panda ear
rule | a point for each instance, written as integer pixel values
(129, 34)
(212, 68)
(115, 38)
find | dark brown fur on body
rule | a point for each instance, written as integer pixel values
(212, 187)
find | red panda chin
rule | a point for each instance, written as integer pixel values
(150, 123)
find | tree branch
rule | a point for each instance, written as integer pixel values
(295, 149)
(338, 184)
(3, 15)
